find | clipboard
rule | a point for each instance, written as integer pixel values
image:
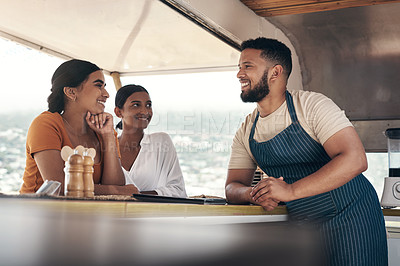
(165, 199)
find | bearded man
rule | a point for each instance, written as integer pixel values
(312, 156)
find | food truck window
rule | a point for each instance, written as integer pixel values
(200, 111)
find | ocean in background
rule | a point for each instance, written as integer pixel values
(202, 140)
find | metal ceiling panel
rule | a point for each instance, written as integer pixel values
(351, 55)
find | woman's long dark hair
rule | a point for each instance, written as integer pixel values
(123, 94)
(69, 74)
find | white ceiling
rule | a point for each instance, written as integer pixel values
(126, 36)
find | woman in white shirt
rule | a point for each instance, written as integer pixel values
(149, 161)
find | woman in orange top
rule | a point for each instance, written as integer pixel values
(75, 117)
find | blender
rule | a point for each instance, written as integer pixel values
(391, 189)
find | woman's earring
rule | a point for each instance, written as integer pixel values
(69, 92)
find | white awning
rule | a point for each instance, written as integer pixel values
(132, 37)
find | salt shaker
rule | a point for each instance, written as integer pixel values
(88, 184)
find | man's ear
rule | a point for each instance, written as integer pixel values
(276, 71)
(70, 93)
(117, 112)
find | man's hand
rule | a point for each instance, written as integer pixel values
(270, 191)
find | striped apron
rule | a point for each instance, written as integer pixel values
(349, 218)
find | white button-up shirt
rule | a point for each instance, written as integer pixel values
(157, 167)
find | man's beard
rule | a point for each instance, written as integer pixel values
(258, 93)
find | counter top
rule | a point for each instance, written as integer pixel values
(391, 212)
(127, 207)
(60, 231)
(48, 231)
(134, 209)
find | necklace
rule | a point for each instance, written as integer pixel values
(72, 130)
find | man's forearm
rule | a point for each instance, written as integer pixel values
(238, 193)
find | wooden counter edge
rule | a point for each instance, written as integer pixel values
(143, 209)
(147, 209)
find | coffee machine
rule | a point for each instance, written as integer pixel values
(391, 189)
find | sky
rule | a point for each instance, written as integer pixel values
(26, 74)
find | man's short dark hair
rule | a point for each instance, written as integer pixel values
(272, 50)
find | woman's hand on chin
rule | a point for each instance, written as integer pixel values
(101, 123)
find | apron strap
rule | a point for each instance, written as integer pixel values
(292, 112)
(253, 128)
(290, 106)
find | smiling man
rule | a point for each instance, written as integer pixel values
(312, 156)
